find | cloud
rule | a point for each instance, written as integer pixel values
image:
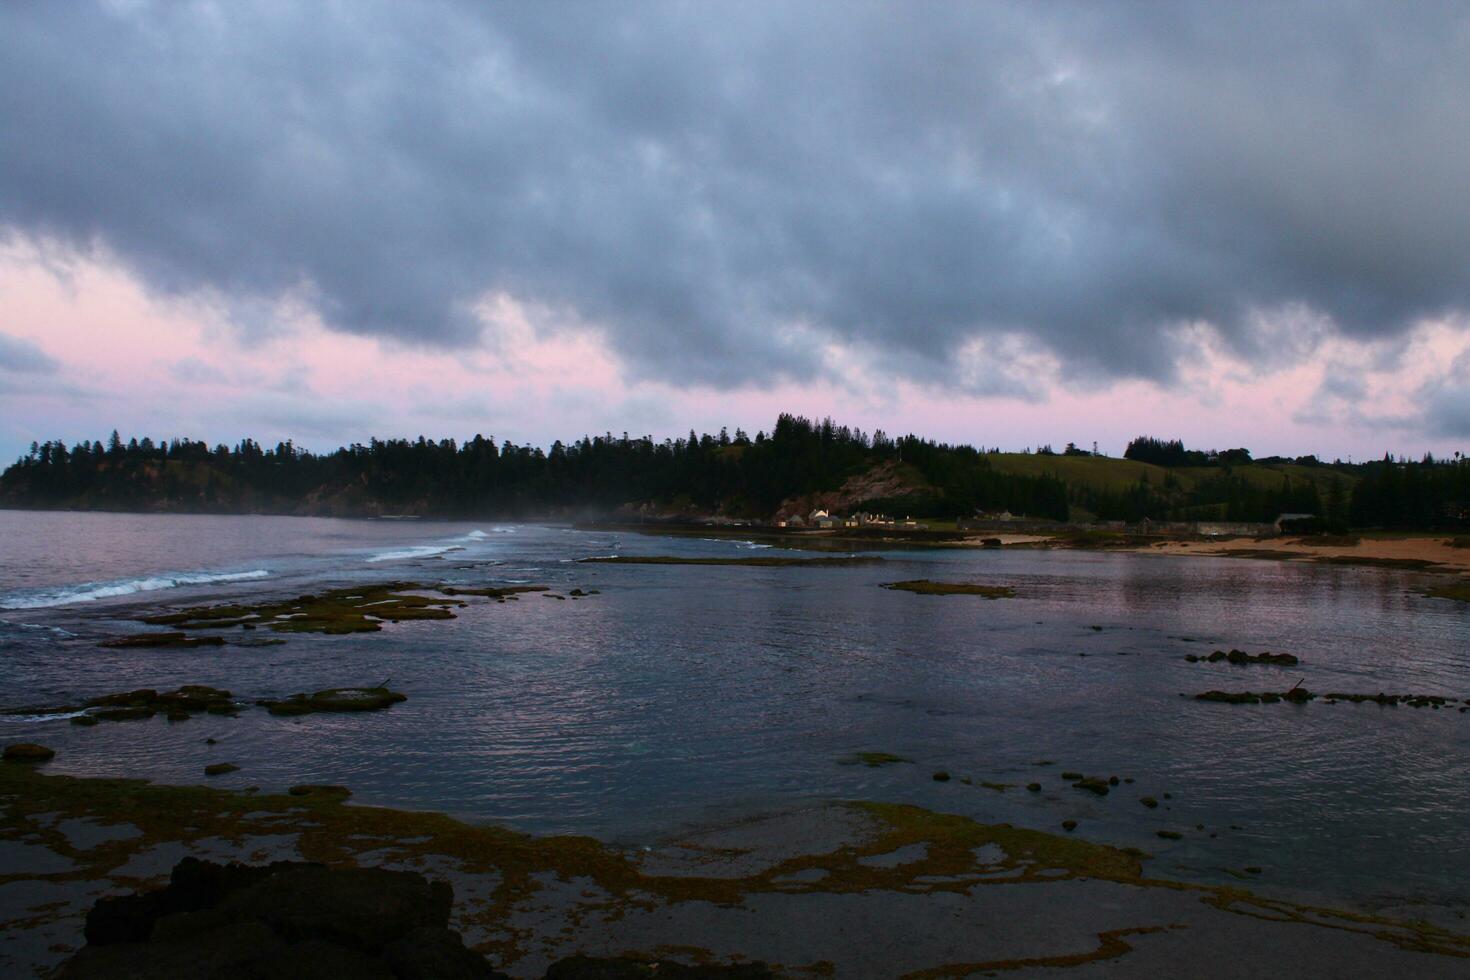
(22, 356)
(1063, 184)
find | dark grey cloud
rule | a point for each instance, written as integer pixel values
(715, 183)
(22, 356)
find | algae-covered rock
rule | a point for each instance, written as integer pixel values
(28, 752)
(1069, 825)
(1098, 786)
(1149, 802)
(941, 776)
(220, 768)
(1169, 834)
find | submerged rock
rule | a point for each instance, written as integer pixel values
(220, 768)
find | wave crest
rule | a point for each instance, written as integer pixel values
(92, 591)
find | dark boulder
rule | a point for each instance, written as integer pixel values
(285, 920)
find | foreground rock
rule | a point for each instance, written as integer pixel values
(283, 919)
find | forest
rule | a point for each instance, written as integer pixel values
(737, 476)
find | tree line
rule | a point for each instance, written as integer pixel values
(732, 474)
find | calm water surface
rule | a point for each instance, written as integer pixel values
(685, 694)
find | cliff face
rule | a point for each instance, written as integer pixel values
(884, 481)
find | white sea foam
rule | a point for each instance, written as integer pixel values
(418, 551)
(476, 536)
(503, 530)
(92, 591)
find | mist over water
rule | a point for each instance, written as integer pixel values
(683, 694)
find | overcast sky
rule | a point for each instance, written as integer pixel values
(1002, 223)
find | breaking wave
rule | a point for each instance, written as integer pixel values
(417, 551)
(92, 591)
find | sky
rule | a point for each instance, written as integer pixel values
(1007, 224)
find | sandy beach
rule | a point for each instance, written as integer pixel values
(1429, 552)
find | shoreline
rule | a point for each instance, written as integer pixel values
(1410, 551)
(844, 888)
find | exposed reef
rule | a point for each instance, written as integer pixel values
(758, 562)
(194, 699)
(924, 586)
(360, 609)
(493, 592)
(1240, 658)
(1300, 695)
(530, 902)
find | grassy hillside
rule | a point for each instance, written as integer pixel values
(1116, 475)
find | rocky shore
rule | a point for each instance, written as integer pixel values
(835, 889)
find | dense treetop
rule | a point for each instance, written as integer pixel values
(734, 475)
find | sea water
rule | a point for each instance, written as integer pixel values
(681, 694)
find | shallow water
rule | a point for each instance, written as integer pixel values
(684, 694)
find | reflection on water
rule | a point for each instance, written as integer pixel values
(681, 693)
